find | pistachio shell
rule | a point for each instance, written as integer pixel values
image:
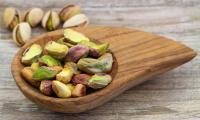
(21, 33)
(69, 11)
(61, 89)
(31, 54)
(79, 90)
(49, 61)
(50, 20)
(11, 17)
(65, 75)
(34, 16)
(74, 37)
(77, 20)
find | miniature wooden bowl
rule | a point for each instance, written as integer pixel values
(139, 56)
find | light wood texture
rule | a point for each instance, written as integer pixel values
(173, 95)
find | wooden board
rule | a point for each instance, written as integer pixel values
(173, 95)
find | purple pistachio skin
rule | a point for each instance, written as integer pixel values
(81, 79)
(77, 52)
(94, 53)
(46, 87)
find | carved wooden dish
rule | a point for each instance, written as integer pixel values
(139, 56)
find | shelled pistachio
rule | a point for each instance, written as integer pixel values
(80, 20)
(11, 17)
(81, 79)
(21, 33)
(61, 89)
(46, 87)
(73, 66)
(79, 90)
(71, 86)
(34, 16)
(65, 75)
(64, 42)
(35, 66)
(49, 61)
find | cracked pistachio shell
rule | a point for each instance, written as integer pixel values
(56, 50)
(27, 73)
(35, 66)
(11, 17)
(64, 42)
(46, 87)
(44, 73)
(99, 80)
(50, 20)
(79, 90)
(61, 89)
(65, 75)
(77, 20)
(34, 16)
(31, 54)
(21, 33)
(81, 79)
(73, 66)
(96, 50)
(92, 66)
(74, 37)
(77, 52)
(69, 11)
(49, 61)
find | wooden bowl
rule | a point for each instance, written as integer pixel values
(139, 56)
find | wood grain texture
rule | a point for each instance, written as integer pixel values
(174, 95)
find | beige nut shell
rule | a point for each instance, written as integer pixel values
(54, 16)
(35, 16)
(77, 20)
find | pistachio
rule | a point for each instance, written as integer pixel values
(65, 75)
(81, 79)
(55, 49)
(49, 61)
(31, 54)
(11, 17)
(64, 42)
(50, 20)
(35, 66)
(77, 52)
(57, 68)
(69, 11)
(61, 90)
(79, 90)
(27, 73)
(44, 73)
(74, 37)
(46, 87)
(75, 21)
(96, 50)
(21, 33)
(71, 86)
(73, 66)
(34, 16)
(102, 64)
(99, 80)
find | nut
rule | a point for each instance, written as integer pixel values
(56, 50)
(31, 54)
(81, 79)
(77, 52)
(21, 33)
(49, 61)
(65, 75)
(64, 42)
(96, 50)
(35, 66)
(74, 37)
(69, 11)
(50, 20)
(27, 73)
(71, 86)
(79, 90)
(102, 64)
(34, 16)
(99, 80)
(11, 17)
(46, 87)
(77, 20)
(44, 73)
(73, 66)
(57, 68)
(61, 90)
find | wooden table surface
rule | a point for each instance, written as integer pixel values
(174, 95)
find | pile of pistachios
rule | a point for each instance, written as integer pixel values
(71, 66)
(21, 23)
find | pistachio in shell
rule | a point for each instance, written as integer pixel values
(56, 50)
(61, 89)
(21, 33)
(34, 16)
(65, 75)
(99, 80)
(74, 37)
(79, 20)
(49, 61)
(69, 11)
(31, 54)
(11, 17)
(79, 90)
(46, 87)
(81, 79)
(50, 20)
